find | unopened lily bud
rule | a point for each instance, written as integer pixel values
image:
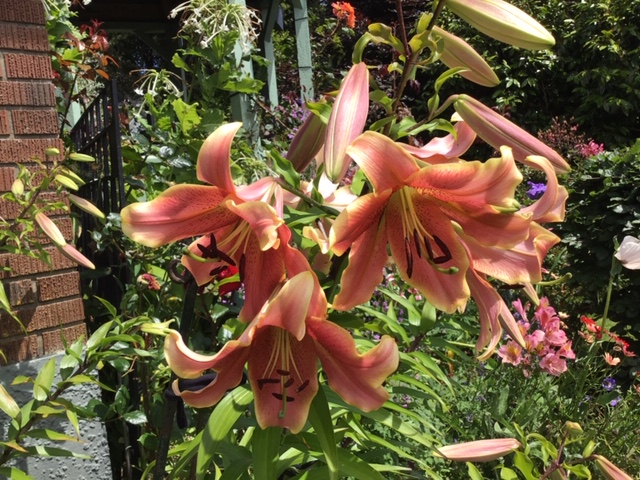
(52, 152)
(307, 142)
(478, 451)
(17, 187)
(573, 428)
(86, 206)
(81, 157)
(50, 229)
(347, 120)
(504, 22)
(67, 182)
(588, 450)
(497, 131)
(609, 470)
(458, 53)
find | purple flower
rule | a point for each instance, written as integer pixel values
(609, 384)
(615, 401)
(536, 190)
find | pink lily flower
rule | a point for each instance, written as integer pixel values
(414, 210)
(234, 230)
(282, 345)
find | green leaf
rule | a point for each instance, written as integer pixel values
(320, 418)
(580, 470)
(4, 300)
(285, 168)
(14, 474)
(266, 444)
(381, 33)
(525, 465)
(474, 473)
(51, 435)
(222, 419)
(135, 418)
(321, 109)
(73, 418)
(179, 62)
(508, 474)
(353, 466)
(7, 404)
(187, 115)
(101, 332)
(428, 317)
(44, 380)
(42, 451)
(13, 444)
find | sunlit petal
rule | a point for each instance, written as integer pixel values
(214, 158)
(447, 148)
(179, 212)
(385, 163)
(356, 377)
(357, 218)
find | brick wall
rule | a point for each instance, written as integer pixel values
(46, 299)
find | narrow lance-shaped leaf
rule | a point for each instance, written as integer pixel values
(7, 404)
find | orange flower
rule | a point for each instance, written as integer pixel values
(344, 11)
(613, 361)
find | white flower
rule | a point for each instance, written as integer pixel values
(629, 253)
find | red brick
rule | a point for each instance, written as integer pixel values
(29, 122)
(53, 340)
(25, 11)
(43, 317)
(19, 350)
(10, 210)
(23, 150)
(14, 36)
(5, 123)
(27, 93)
(7, 177)
(18, 65)
(21, 265)
(58, 286)
(22, 292)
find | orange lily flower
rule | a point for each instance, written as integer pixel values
(282, 345)
(417, 211)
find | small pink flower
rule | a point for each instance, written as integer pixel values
(613, 361)
(534, 340)
(510, 353)
(552, 363)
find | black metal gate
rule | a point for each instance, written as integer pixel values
(97, 133)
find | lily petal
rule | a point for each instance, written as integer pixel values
(629, 253)
(447, 148)
(179, 212)
(357, 378)
(268, 190)
(214, 158)
(550, 207)
(363, 274)
(446, 291)
(384, 162)
(347, 120)
(357, 218)
(284, 403)
(262, 218)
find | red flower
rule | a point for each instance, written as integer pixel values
(592, 326)
(344, 11)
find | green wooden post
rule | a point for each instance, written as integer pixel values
(303, 44)
(269, 11)
(241, 108)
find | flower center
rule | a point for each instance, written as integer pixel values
(282, 370)
(414, 231)
(237, 239)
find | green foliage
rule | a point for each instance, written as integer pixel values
(603, 207)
